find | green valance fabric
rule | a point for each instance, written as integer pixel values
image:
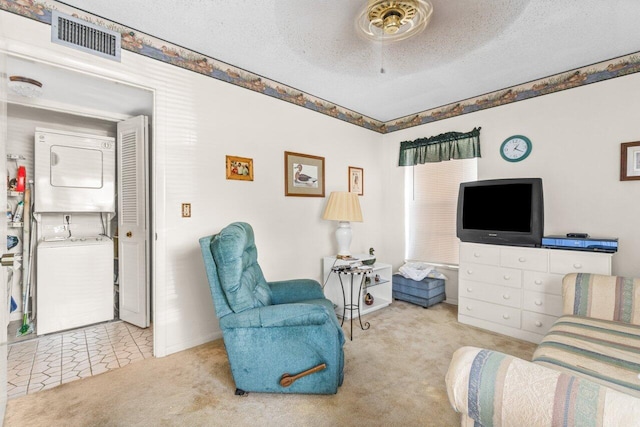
(446, 146)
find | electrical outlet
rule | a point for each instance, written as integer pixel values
(186, 210)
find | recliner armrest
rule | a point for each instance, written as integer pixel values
(277, 316)
(291, 291)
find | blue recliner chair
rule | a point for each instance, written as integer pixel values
(281, 337)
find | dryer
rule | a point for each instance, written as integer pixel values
(74, 172)
(75, 283)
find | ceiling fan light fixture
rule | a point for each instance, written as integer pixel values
(25, 86)
(393, 20)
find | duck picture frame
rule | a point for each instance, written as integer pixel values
(303, 175)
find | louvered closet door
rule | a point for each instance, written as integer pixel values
(133, 217)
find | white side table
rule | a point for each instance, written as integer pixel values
(381, 290)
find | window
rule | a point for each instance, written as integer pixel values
(431, 201)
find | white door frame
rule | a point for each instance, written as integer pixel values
(34, 48)
(151, 173)
(4, 316)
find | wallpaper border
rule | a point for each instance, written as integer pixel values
(158, 49)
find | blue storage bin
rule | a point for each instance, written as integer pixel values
(425, 293)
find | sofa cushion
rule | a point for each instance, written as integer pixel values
(606, 352)
(602, 297)
(241, 278)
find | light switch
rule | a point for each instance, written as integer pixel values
(186, 210)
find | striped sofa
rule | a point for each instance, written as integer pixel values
(585, 372)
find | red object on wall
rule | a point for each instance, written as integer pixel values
(21, 178)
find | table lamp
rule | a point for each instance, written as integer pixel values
(343, 206)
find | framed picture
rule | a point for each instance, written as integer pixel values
(239, 168)
(630, 161)
(356, 180)
(303, 175)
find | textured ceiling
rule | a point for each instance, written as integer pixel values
(471, 47)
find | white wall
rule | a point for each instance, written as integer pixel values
(576, 136)
(291, 237)
(197, 121)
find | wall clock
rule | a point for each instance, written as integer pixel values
(515, 148)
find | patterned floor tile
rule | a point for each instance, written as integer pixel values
(49, 361)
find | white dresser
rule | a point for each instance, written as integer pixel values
(517, 291)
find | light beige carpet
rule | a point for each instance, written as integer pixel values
(394, 376)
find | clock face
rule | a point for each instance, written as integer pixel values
(515, 148)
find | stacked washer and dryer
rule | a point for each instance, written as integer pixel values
(73, 205)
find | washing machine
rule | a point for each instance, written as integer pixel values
(74, 283)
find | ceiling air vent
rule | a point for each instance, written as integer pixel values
(85, 36)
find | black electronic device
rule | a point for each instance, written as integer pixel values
(501, 211)
(578, 235)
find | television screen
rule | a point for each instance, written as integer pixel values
(498, 207)
(501, 211)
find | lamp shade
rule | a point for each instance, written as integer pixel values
(343, 206)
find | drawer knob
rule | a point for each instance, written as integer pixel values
(506, 296)
(538, 302)
(577, 266)
(469, 308)
(507, 277)
(469, 290)
(505, 316)
(538, 282)
(522, 259)
(538, 323)
(476, 255)
(469, 271)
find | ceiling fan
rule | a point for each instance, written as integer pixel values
(393, 20)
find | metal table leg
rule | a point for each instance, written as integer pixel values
(351, 306)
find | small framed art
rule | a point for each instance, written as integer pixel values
(630, 161)
(356, 180)
(303, 175)
(240, 168)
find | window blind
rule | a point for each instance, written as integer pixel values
(431, 200)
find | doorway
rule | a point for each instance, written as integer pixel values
(82, 103)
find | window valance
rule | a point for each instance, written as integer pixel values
(446, 146)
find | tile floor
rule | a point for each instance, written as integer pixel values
(56, 359)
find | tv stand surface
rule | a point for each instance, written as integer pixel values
(515, 290)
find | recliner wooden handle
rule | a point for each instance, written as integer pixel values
(287, 379)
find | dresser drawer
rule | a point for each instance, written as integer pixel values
(500, 314)
(542, 303)
(502, 295)
(490, 274)
(523, 258)
(564, 262)
(543, 282)
(537, 322)
(479, 254)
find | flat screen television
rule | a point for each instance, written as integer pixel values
(501, 211)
